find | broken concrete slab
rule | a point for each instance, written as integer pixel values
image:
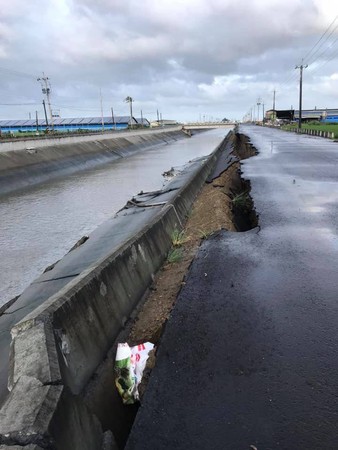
(32, 342)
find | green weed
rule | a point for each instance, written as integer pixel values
(241, 200)
(178, 238)
(175, 255)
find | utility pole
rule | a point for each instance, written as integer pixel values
(44, 108)
(274, 106)
(46, 90)
(102, 121)
(113, 118)
(37, 121)
(142, 119)
(158, 118)
(263, 112)
(301, 67)
(259, 102)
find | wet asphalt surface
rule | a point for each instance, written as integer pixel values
(249, 356)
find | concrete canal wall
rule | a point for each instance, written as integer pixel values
(51, 141)
(41, 160)
(57, 348)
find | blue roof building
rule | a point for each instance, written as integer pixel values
(71, 124)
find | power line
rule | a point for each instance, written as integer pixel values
(327, 48)
(75, 107)
(314, 71)
(19, 104)
(17, 73)
(324, 38)
(320, 39)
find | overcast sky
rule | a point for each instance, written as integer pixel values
(190, 59)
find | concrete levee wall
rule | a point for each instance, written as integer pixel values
(21, 168)
(51, 141)
(56, 348)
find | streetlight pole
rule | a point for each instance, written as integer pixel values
(130, 101)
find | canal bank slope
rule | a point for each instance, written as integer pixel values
(38, 162)
(57, 347)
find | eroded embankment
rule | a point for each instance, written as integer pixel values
(31, 166)
(57, 348)
(224, 203)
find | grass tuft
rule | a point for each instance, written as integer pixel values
(175, 255)
(241, 200)
(204, 234)
(178, 238)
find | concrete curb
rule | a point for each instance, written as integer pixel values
(57, 347)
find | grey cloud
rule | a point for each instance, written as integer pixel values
(181, 55)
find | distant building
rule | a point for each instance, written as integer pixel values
(142, 122)
(319, 114)
(285, 114)
(70, 124)
(163, 122)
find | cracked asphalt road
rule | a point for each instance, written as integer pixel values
(249, 356)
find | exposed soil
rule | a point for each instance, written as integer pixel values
(211, 211)
(223, 204)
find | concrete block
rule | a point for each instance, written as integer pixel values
(33, 354)
(26, 415)
(49, 417)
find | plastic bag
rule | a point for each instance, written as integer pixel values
(129, 366)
